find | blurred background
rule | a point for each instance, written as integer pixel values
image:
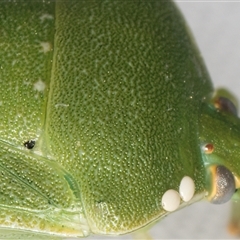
(216, 28)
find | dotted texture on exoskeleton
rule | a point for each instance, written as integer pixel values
(113, 101)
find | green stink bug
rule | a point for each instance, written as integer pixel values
(90, 169)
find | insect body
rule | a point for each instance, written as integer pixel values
(120, 107)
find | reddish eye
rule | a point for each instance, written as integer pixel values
(208, 148)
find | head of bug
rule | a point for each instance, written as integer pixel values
(219, 134)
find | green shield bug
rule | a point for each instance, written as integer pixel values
(108, 119)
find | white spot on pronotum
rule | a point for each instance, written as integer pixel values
(170, 200)
(39, 85)
(46, 17)
(46, 46)
(187, 189)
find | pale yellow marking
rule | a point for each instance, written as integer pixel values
(212, 194)
(61, 105)
(14, 62)
(39, 85)
(237, 181)
(46, 46)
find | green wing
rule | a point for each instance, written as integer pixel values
(35, 193)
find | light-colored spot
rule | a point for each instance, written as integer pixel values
(19, 28)
(14, 62)
(130, 64)
(46, 17)
(39, 85)
(84, 71)
(61, 105)
(170, 200)
(46, 46)
(187, 189)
